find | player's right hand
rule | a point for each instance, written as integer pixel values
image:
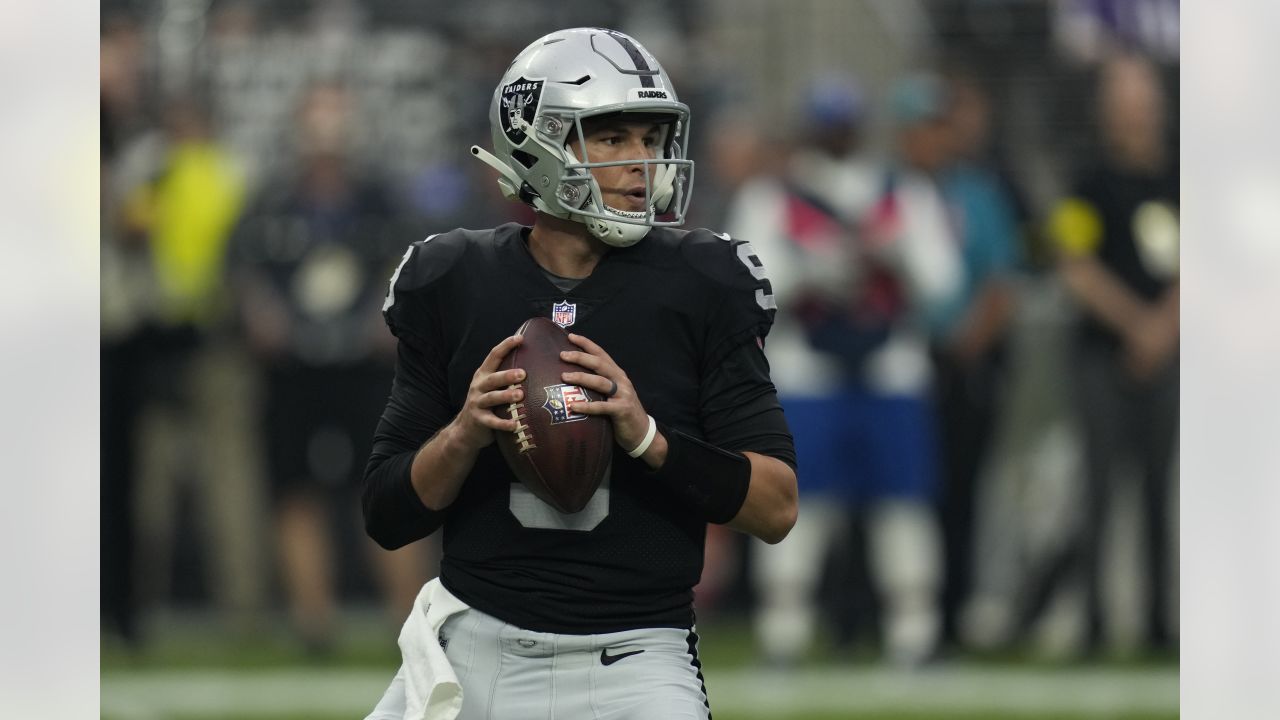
(489, 388)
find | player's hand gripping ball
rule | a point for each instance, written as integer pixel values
(560, 456)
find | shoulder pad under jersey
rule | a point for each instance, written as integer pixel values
(423, 264)
(731, 264)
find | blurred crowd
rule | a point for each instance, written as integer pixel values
(974, 250)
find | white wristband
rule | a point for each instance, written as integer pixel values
(648, 439)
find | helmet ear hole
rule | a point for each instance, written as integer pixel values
(524, 158)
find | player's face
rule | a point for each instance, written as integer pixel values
(623, 186)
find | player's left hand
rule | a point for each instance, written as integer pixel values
(630, 421)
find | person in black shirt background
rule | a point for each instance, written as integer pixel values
(670, 325)
(1117, 237)
(308, 262)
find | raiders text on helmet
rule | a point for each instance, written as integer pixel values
(538, 107)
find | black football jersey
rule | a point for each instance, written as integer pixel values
(684, 314)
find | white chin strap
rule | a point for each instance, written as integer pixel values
(664, 187)
(617, 234)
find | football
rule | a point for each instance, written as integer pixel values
(562, 457)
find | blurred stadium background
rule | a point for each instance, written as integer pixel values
(218, 117)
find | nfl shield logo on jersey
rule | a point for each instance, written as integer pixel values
(557, 403)
(564, 314)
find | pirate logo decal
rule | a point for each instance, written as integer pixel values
(519, 104)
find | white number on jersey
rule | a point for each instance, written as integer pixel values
(533, 513)
(391, 289)
(748, 257)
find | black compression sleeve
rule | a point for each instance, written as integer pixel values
(740, 409)
(713, 480)
(394, 515)
(417, 408)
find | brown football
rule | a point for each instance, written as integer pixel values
(560, 456)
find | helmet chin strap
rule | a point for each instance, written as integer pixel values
(614, 233)
(664, 183)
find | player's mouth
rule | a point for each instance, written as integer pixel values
(636, 198)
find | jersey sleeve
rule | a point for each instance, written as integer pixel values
(740, 409)
(743, 307)
(738, 404)
(409, 308)
(419, 402)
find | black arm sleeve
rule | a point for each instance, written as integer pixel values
(738, 404)
(740, 412)
(394, 515)
(740, 408)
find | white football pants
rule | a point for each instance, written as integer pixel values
(508, 673)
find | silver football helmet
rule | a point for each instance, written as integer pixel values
(538, 107)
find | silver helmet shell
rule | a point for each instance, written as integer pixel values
(545, 94)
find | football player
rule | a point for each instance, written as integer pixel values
(539, 613)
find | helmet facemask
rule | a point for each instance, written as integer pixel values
(668, 178)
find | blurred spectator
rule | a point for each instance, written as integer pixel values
(763, 209)
(126, 278)
(969, 333)
(121, 53)
(1118, 240)
(861, 256)
(311, 261)
(805, 250)
(912, 273)
(171, 355)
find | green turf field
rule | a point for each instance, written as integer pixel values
(196, 671)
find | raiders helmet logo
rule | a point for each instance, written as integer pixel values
(519, 103)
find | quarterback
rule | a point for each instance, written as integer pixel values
(539, 613)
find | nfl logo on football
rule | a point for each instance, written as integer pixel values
(564, 314)
(558, 399)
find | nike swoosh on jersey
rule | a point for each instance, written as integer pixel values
(607, 659)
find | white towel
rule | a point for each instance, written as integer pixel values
(431, 688)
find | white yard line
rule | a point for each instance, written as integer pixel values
(954, 690)
(1087, 692)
